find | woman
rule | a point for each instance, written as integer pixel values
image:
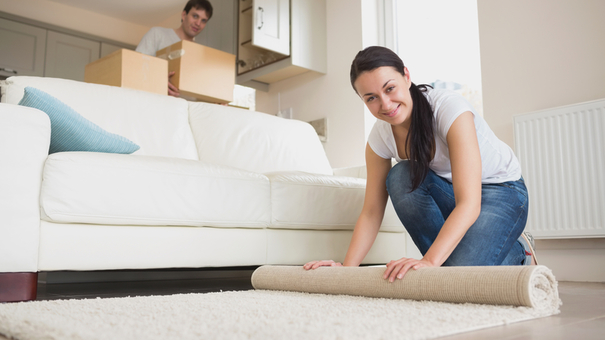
(456, 188)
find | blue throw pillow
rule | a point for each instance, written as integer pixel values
(69, 131)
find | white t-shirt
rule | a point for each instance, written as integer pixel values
(156, 39)
(498, 161)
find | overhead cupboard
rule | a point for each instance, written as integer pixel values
(278, 39)
(34, 50)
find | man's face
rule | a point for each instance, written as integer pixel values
(194, 21)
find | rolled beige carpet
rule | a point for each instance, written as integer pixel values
(531, 286)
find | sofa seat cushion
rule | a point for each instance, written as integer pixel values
(158, 124)
(115, 189)
(310, 201)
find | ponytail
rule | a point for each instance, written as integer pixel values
(420, 139)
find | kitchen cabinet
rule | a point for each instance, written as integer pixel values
(22, 51)
(67, 55)
(31, 48)
(278, 39)
(271, 25)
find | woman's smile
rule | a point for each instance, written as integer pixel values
(393, 112)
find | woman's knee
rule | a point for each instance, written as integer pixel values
(398, 179)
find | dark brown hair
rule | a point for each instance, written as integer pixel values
(199, 4)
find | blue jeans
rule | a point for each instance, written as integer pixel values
(491, 240)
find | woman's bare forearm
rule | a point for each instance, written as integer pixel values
(364, 235)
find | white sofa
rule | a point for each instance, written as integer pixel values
(210, 186)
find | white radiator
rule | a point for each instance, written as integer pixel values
(562, 155)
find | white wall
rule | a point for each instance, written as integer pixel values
(76, 19)
(313, 96)
(538, 54)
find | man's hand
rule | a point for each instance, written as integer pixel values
(172, 90)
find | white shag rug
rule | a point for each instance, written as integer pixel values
(254, 314)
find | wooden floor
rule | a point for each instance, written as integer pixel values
(582, 314)
(582, 318)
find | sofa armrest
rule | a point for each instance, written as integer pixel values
(24, 145)
(354, 171)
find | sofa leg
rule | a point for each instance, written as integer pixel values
(18, 286)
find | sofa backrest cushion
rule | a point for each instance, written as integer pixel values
(255, 141)
(158, 124)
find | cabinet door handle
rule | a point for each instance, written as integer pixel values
(9, 70)
(261, 11)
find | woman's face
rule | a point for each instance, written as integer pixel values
(386, 93)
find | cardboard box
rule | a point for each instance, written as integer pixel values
(202, 72)
(127, 68)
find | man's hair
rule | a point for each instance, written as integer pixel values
(199, 4)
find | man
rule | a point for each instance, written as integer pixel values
(193, 20)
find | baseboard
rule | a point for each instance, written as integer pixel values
(578, 260)
(129, 275)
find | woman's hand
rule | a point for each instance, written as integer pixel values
(323, 263)
(398, 268)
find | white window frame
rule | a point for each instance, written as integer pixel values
(387, 32)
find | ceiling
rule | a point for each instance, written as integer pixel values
(142, 12)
